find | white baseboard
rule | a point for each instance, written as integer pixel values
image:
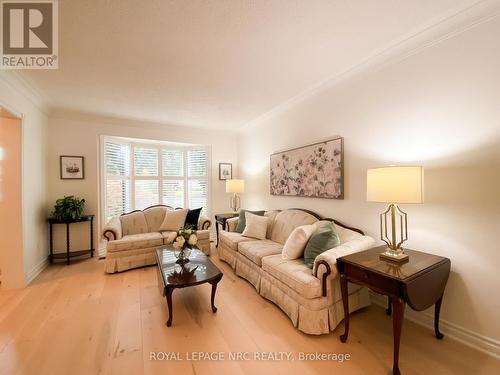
(474, 340)
(35, 271)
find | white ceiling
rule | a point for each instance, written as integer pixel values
(217, 64)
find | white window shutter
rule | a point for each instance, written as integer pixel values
(117, 169)
(145, 161)
(173, 163)
(197, 163)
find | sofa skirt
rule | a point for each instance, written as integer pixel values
(314, 316)
(119, 261)
(227, 255)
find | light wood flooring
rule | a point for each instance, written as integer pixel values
(77, 320)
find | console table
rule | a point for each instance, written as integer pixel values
(70, 254)
(419, 282)
(220, 219)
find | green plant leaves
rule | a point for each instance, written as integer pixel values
(68, 208)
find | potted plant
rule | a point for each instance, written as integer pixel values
(68, 208)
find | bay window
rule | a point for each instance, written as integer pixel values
(138, 175)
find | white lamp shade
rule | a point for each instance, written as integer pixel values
(395, 184)
(235, 186)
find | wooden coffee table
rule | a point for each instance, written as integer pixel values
(172, 275)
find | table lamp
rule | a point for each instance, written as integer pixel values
(235, 187)
(394, 185)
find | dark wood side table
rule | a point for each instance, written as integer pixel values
(220, 219)
(420, 282)
(70, 254)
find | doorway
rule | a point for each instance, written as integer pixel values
(11, 238)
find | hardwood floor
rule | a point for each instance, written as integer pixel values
(77, 320)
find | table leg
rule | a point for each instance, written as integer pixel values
(51, 244)
(437, 311)
(168, 292)
(388, 311)
(397, 324)
(345, 301)
(67, 243)
(92, 237)
(216, 234)
(214, 289)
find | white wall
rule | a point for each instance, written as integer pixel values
(439, 108)
(16, 97)
(78, 134)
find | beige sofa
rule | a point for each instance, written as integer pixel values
(133, 237)
(311, 298)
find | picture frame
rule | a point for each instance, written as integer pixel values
(72, 167)
(312, 171)
(225, 171)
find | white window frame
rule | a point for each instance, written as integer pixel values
(159, 146)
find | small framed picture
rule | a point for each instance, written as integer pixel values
(72, 167)
(225, 171)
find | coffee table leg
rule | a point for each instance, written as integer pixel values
(168, 293)
(214, 289)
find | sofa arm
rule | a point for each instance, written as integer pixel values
(325, 264)
(204, 223)
(113, 229)
(231, 224)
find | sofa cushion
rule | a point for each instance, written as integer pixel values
(324, 238)
(192, 218)
(293, 273)
(136, 241)
(174, 219)
(232, 239)
(256, 250)
(256, 226)
(240, 227)
(286, 221)
(154, 217)
(134, 223)
(296, 243)
(168, 236)
(271, 215)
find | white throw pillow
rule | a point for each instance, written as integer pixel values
(297, 241)
(174, 220)
(256, 226)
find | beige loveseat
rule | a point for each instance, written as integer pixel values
(311, 298)
(133, 237)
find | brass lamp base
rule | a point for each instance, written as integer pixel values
(394, 256)
(235, 203)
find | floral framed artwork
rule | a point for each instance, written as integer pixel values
(315, 171)
(225, 171)
(72, 167)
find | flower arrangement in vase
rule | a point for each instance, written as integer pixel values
(185, 240)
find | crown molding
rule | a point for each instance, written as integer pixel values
(441, 28)
(26, 88)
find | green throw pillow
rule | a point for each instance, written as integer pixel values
(242, 221)
(324, 238)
